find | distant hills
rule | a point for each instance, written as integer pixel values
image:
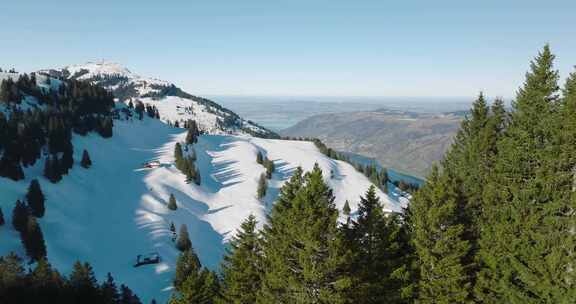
(406, 141)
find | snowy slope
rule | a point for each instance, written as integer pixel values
(170, 100)
(116, 210)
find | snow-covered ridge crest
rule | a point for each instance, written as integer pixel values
(174, 104)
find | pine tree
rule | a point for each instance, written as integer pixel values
(242, 267)
(525, 246)
(20, 216)
(186, 264)
(83, 282)
(346, 210)
(109, 291)
(33, 240)
(35, 199)
(86, 162)
(178, 157)
(172, 202)
(183, 242)
(302, 251)
(127, 296)
(193, 132)
(376, 253)
(259, 158)
(262, 186)
(198, 287)
(46, 282)
(439, 239)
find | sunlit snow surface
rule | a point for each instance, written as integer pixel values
(116, 210)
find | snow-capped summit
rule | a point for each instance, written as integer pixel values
(174, 105)
(102, 67)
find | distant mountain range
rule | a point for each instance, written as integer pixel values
(406, 141)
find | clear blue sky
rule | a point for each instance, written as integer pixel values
(298, 47)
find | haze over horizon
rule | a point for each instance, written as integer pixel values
(298, 48)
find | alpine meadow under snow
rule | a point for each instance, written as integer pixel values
(117, 209)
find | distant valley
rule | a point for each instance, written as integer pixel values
(406, 141)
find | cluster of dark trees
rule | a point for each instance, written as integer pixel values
(303, 254)
(139, 108)
(28, 133)
(494, 223)
(44, 284)
(185, 163)
(268, 164)
(263, 180)
(193, 132)
(24, 221)
(262, 186)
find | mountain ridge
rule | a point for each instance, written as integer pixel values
(174, 104)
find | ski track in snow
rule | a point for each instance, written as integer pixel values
(110, 213)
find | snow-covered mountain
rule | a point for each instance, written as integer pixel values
(117, 209)
(172, 102)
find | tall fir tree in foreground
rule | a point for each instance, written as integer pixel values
(186, 264)
(194, 284)
(302, 252)
(242, 266)
(525, 244)
(377, 246)
(440, 241)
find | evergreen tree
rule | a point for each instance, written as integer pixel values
(86, 162)
(178, 156)
(524, 243)
(46, 282)
(83, 282)
(377, 250)
(186, 264)
(35, 199)
(183, 242)
(33, 240)
(20, 216)
(259, 158)
(262, 187)
(193, 132)
(242, 267)
(346, 210)
(109, 291)
(439, 239)
(302, 254)
(198, 287)
(127, 296)
(172, 202)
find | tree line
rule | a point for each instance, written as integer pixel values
(28, 133)
(45, 284)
